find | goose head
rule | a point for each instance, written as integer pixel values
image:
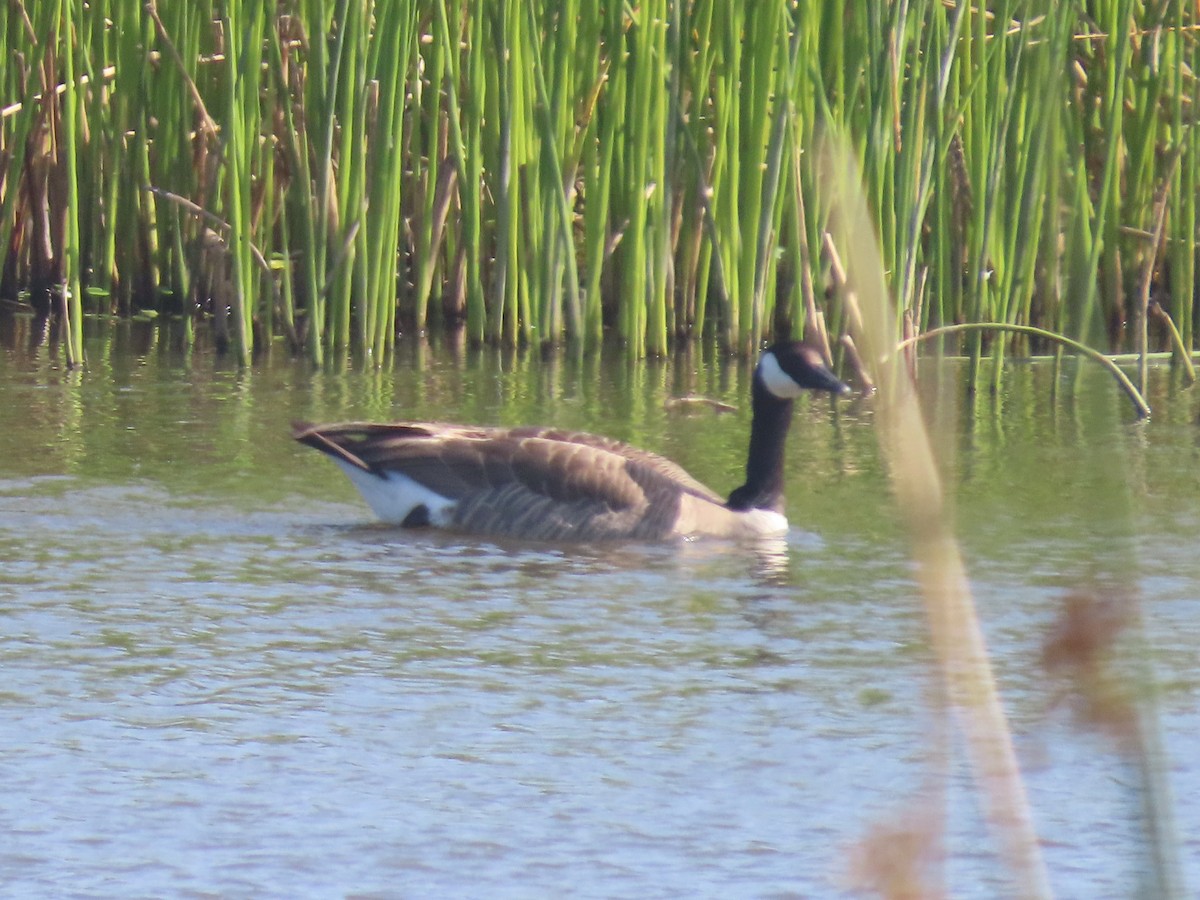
(788, 368)
(785, 370)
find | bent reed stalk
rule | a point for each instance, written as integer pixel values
(1135, 396)
(538, 172)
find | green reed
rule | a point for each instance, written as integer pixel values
(538, 172)
(72, 308)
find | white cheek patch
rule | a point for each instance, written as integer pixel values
(395, 496)
(775, 380)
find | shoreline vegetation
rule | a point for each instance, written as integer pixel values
(536, 173)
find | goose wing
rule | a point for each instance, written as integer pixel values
(656, 464)
(529, 482)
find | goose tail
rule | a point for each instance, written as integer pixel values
(313, 436)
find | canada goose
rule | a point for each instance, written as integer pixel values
(549, 484)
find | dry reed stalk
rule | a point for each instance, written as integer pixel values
(955, 633)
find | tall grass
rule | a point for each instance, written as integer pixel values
(536, 172)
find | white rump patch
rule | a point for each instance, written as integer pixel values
(393, 497)
(777, 381)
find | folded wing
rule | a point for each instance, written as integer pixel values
(539, 483)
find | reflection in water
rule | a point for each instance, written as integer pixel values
(771, 557)
(222, 677)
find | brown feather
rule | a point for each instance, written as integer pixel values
(542, 483)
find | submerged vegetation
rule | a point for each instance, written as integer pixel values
(332, 173)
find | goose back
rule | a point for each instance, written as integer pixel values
(534, 483)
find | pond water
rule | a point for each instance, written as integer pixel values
(221, 678)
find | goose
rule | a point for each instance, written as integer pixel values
(542, 483)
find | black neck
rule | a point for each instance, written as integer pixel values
(764, 463)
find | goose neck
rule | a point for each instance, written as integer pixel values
(772, 416)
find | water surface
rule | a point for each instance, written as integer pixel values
(221, 678)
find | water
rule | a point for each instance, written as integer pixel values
(221, 679)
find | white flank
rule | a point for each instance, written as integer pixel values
(766, 522)
(777, 381)
(393, 497)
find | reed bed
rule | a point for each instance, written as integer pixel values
(332, 173)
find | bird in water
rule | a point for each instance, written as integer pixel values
(545, 483)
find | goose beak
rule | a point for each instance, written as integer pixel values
(808, 370)
(824, 380)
